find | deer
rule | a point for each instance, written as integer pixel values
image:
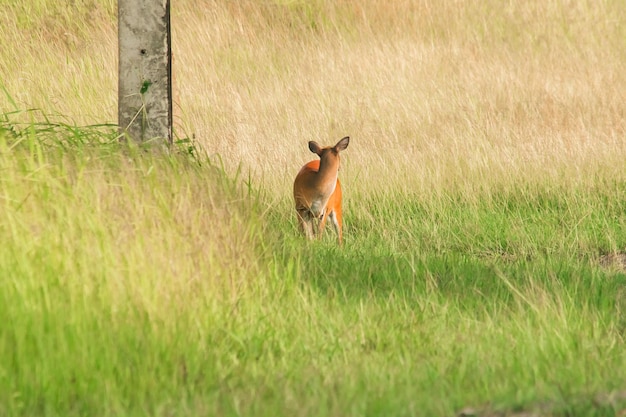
(317, 191)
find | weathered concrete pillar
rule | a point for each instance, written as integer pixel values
(145, 69)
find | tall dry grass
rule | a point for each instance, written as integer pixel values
(435, 95)
(60, 58)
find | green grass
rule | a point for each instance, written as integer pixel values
(484, 208)
(141, 283)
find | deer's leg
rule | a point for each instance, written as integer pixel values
(322, 224)
(305, 219)
(335, 219)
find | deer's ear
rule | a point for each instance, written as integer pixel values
(315, 148)
(342, 144)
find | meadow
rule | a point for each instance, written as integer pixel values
(483, 271)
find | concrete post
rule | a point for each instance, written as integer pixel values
(145, 69)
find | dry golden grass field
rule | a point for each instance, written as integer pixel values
(434, 94)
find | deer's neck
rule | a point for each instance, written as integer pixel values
(327, 174)
(328, 168)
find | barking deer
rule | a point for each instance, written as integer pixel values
(317, 190)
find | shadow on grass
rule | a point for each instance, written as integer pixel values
(472, 283)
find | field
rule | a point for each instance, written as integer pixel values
(483, 271)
